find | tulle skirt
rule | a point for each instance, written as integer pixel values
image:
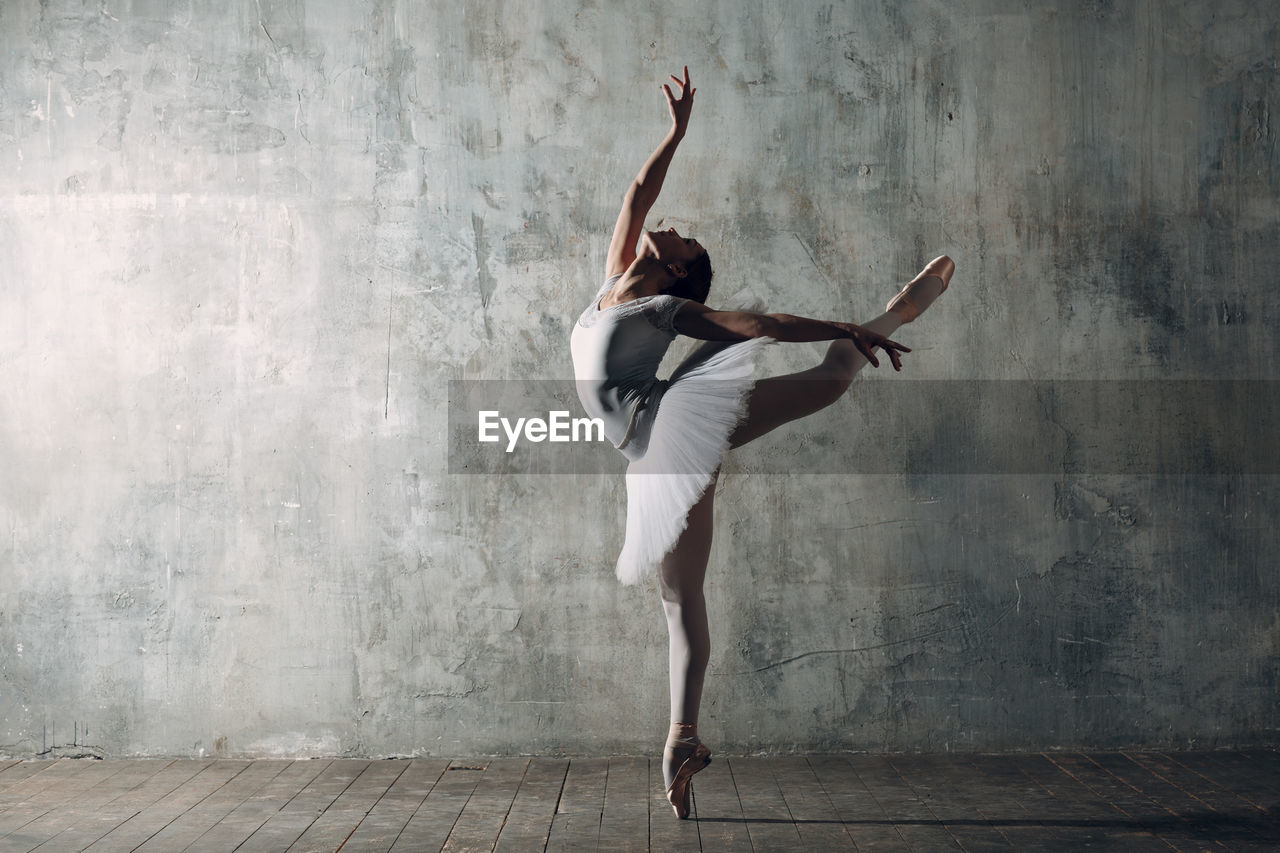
(702, 403)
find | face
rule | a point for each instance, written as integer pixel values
(668, 246)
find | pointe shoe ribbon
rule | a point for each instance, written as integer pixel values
(941, 268)
(678, 793)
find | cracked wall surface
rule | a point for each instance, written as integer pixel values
(243, 253)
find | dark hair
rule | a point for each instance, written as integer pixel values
(697, 283)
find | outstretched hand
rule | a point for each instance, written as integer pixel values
(866, 341)
(680, 107)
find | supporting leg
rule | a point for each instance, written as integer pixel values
(680, 579)
(680, 582)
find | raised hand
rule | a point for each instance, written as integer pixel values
(680, 107)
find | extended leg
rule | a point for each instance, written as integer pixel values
(779, 399)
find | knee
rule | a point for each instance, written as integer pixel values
(676, 605)
(841, 364)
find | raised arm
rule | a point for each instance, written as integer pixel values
(698, 321)
(644, 190)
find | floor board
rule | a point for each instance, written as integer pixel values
(1128, 801)
(576, 823)
(435, 817)
(382, 827)
(624, 824)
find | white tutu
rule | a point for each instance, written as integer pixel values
(704, 401)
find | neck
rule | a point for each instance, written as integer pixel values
(646, 277)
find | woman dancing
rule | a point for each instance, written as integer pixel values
(676, 432)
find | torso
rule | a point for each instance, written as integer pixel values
(617, 345)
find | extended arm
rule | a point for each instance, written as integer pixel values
(644, 190)
(698, 321)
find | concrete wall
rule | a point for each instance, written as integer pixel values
(242, 254)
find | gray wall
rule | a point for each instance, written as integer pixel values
(243, 254)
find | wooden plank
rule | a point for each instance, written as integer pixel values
(245, 819)
(146, 823)
(529, 820)
(918, 825)
(1242, 822)
(1049, 823)
(1109, 790)
(57, 773)
(666, 831)
(19, 773)
(810, 807)
(1005, 794)
(1202, 772)
(1165, 766)
(576, 825)
(1030, 802)
(88, 829)
(33, 820)
(1073, 804)
(946, 785)
(1253, 781)
(384, 823)
(183, 830)
(1088, 811)
(721, 824)
(116, 779)
(624, 823)
(482, 817)
(1265, 764)
(1266, 758)
(769, 822)
(1189, 812)
(331, 829)
(865, 820)
(1250, 778)
(287, 825)
(436, 816)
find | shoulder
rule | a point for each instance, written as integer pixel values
(662, 308)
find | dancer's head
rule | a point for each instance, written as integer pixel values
(686, 263)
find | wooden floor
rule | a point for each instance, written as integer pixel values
(1052, 801)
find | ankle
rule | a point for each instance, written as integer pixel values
(682, 733)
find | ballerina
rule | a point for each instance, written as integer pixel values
(676, 432)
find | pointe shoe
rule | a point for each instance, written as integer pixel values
(941, 268)
(678, 793)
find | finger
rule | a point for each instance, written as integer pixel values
(686, 76)
(671, 99)
(868, 353)
(889, 343)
